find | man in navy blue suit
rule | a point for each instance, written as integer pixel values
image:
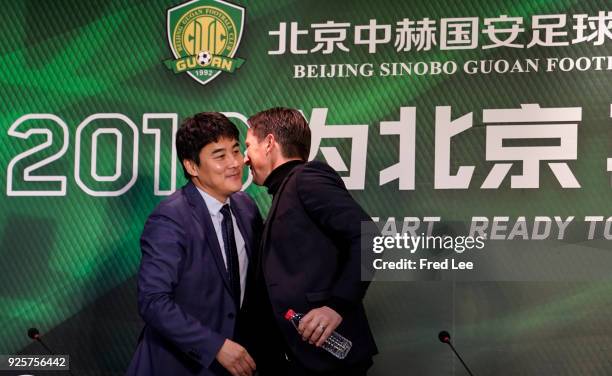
(196, 251)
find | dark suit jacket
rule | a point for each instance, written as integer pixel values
(311, 254)
(184, 295)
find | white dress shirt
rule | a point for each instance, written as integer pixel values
(214, 208)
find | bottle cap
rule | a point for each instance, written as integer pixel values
(289, 314)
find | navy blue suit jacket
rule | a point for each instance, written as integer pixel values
(184, 295)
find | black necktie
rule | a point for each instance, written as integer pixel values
(231, 253)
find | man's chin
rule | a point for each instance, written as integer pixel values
(256, 180)
(235, 187)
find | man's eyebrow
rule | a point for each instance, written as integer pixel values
(217, 151)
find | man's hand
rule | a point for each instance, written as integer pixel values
(318, 325)
(235, 359)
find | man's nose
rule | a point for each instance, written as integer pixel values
(237, 161)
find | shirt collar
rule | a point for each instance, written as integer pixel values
(214, 206)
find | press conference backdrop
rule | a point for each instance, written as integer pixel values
(496, 112)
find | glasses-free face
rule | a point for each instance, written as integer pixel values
(219, 172)
(257, 158)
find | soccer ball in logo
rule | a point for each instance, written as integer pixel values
(204, 58)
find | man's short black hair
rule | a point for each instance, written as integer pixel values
(200, 130)
(289, 128)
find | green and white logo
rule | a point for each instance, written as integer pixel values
(204, 36)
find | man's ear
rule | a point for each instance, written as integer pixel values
(269, 142)
(191, 167)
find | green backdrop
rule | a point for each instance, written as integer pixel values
(69, 258)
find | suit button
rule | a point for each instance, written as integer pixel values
(230, 315)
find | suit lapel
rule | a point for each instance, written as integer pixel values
(203, 216)
(245, 230)
(247, 234)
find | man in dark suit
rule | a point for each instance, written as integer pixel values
(196, 250)
(310, 258)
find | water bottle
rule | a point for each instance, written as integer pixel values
(335, 344)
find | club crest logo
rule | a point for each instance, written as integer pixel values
(204, 36)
